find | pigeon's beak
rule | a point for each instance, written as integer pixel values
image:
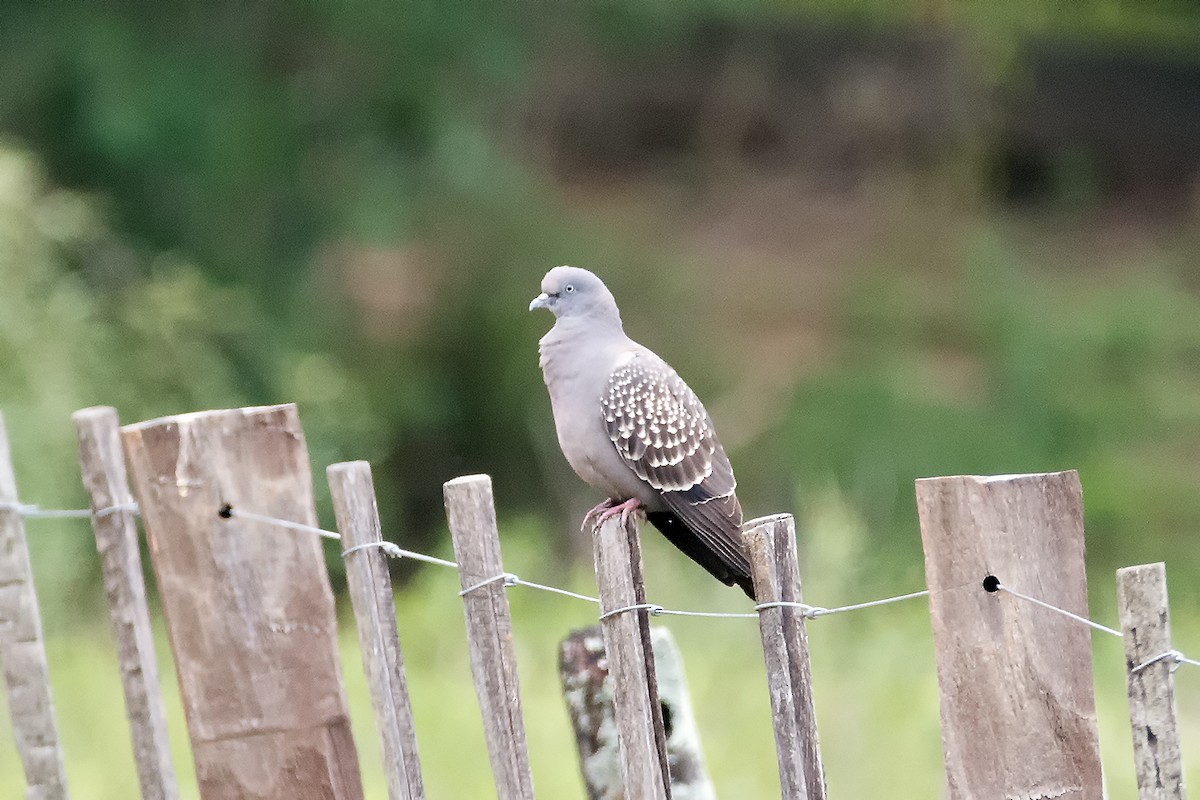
(541, 301)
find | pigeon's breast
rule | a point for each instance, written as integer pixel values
(576, 385)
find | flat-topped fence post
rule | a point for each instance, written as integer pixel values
(472, 516)
(776, 574)
(23, 649)
(640, 734)
(1015, 679)
(353, 494)
(1149, 668)
(248, 604)
(102, 465)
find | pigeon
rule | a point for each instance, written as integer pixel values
(631, 428)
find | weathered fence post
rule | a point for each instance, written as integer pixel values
(588, 692)
(248, 604)
(1018, 714)
(472, 517)
(776, 574)
(103, 467)
(618, 556)
(1146, 626)
(22, 650)
(353, 494)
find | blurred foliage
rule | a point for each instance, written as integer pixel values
(999, 368)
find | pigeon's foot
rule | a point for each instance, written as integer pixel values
(599, 509)
(624, 509)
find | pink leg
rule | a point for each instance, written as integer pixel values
(624, 509)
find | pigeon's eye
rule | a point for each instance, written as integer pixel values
(568, 288)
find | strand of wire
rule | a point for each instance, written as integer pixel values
(1103, 628)
(508, 579)
(33, 511)
(394, 550)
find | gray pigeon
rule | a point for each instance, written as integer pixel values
(631, 427)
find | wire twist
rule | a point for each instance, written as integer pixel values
(388, 548)
(508, 579)
(654, 610)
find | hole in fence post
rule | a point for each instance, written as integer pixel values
(666, 717)
(991, 584)
(225, 511)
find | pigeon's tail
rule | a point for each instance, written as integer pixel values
(728, 571)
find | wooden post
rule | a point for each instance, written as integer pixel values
(1146, 626)
(588, 692)
(22, 650)
(353, 494)
(472, 517)
(1018, 714)
(248, 604)
(103, 469)
(618, 557)
(776, 574)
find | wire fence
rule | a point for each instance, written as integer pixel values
(509, 579)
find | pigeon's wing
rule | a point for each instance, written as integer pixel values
(661, 430)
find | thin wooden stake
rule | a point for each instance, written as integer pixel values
(472, 517)
(248, 604)
(23, 650)
(353, 494)
(618, 557)
(103, 467)
(1018, 713)
(1146, 626)
(776, 574)
(588, 692)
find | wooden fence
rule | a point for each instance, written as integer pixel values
(226, 502)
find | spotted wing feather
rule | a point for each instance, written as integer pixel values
(662, 431)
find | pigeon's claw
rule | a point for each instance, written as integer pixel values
(630, 506)
(599, 509)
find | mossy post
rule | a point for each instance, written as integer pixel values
(588, 694)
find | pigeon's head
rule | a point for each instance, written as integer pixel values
(574, 292)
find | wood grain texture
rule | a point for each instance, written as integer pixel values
(1146, 628)
(103, 467)
(776, 574)
(23, 650)
(1018, 713)
(618, 558)
(588, 694)
(472, 517)
(248, 605)
(353, 494)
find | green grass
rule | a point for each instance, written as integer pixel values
(875, 684)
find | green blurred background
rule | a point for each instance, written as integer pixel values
(882, 240)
